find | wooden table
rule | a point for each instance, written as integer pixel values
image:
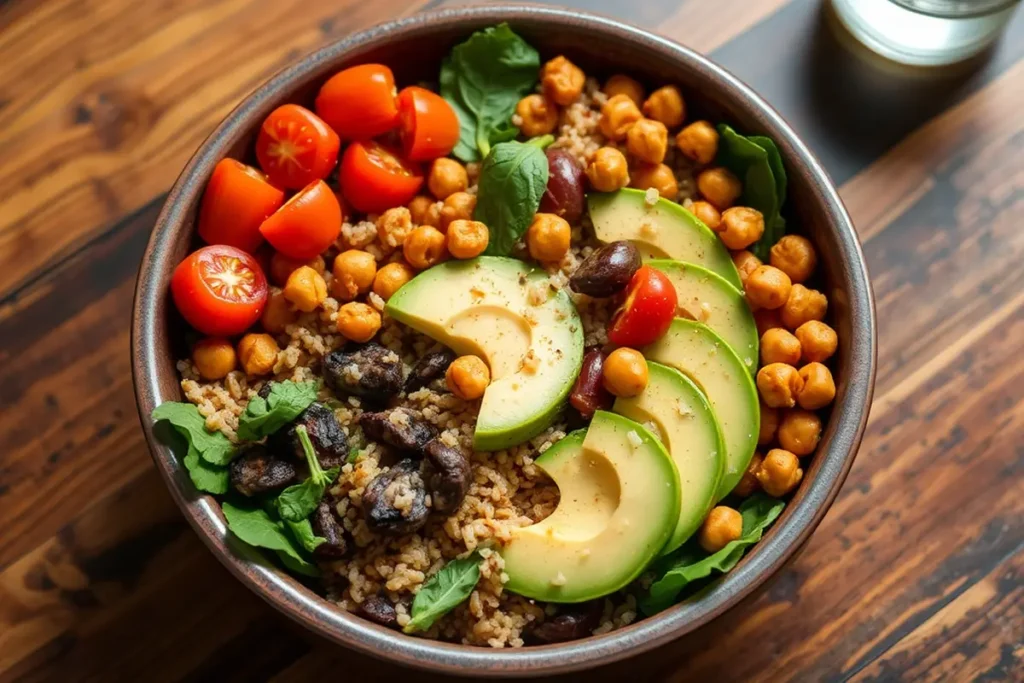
(915, 573)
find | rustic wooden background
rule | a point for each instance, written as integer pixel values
(915, 574)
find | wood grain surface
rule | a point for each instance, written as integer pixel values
(916, 572)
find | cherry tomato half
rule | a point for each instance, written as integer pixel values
(375, 178)
(429, 126)
(237, 199)
(647, 311)
(295, 147)
(219, 290)
(359, 102)
(307, 224)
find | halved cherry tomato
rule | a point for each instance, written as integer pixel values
(647, 311)
(237, 199)
(375, 178)
(219, 290)
(295, 147)
(359, 102)
(429, 126)
(307, 223)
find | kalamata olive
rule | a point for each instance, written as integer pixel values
(579, 621)
(564, 194)
(607, 271)
(379, 609)
(589, 394)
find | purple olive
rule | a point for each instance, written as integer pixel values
(607, 271)
(564, 194)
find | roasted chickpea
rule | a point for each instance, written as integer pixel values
(698, 141)
(818, 387)
(647, 140)
(467, 377)
(425, 211)
(746, 263)
(620, 84)
(769, 424)
(719, 186)
(707, 214)
(766, 319)
(740, 227)
(803, 304)
(795, 256)
(666, 105)
(722, 526)
(278, 314)
(779, 385)
(779, 346)
(748, 483)
(281, 267)
(354, 271)
(538, 115)
(358, 322)
(624, 372)
(467, 239)
(548, 237)
(767, 287)
(818, 341)
(393, 226)
(458, 206)
(214, 358)
(305, 289)
(390, 279)
(608, 171)
(799, 431)
(618, 114)
(780, 472)
(447, 177)
(658, 176)
(424, 247)
(257, 354)
(562, 81)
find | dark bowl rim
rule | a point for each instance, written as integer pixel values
(789, 534)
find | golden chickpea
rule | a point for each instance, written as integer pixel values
(746, 263)
(305, 289)
(779, 346)
(358, 322)
(467, 239)
(799, 432)
(458, 206)
(780, 472)
(281, 267)
(818, 341)
(719, 186)
(803, 304)
(658, 176)
(424, 247)
(766, 319)
(467, 377)
(779, 385)
(354, 271)
(425, 211)
(818, 387)
(625, 372)
(722, 526)
(769, 425)
(214, 358)
(390, 279)
(548, 237)
(647, 140)
(257, 353)
(795, 256)
(767, 287)
(740, 227)
(393, 226)
(748, 483)
(620, 84)
(447, 177)
(707, 214)
(278, 314)
(538, 115)
(618, 114)
(666, 105)
(698, 141)
(562, 81)
(608, 171)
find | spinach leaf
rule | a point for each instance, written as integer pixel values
(691, 562)
(298, 501)
(264, 416)
(443, 592)
(206, 477)
(303, 533)
(298, 565)
(512, 182)
(774, 230)
(213, 447)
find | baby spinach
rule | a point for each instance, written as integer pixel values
(298, 501)
(204, 476)
(302, 531)
(483, 79)
(257, 528)
(208, 452)
(264, 416)
(445, 590)
(512, 182)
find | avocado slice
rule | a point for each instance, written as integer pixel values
(619, 505)
(696, 351)
(710, 299)
(662, 231)
(502, 310)
(676, 412)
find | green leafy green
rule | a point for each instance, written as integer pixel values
(256, 527)
(353, 455)
(512, 182)
(264, 416)
(213, 447)
(206, 477)
(483, 79)
(298, 501)
(302, 532)
(691, 562)
(452, 584)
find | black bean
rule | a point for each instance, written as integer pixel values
(256, 471)
(325, 433)
(428, 368)
(379, 511)
(578, 623)
(607, 271)
(369, 371)
(379, 610)
(399, 428)
(325, 524)
(448, 476)
(563, 195)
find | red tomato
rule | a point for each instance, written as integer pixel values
(359, 102)
(429, 126)
(295, 147)
(237, 199)
(647, 311)
(307, 224)
(219, 290)
(375, 178)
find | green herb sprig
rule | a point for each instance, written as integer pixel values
(445, 590)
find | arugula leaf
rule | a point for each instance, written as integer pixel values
(213, 447)
(264, 416)
(691, 562)
(452, 584)
(512, 182)
(303, 533)
(298, 501)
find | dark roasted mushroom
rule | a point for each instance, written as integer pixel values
(369, 371)
(399, 427)
(447, 474)
(256, 471)
(326, 435)
(573, 625)
(379, 610)
(404, 485)
(326, 525)
(428, 368)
